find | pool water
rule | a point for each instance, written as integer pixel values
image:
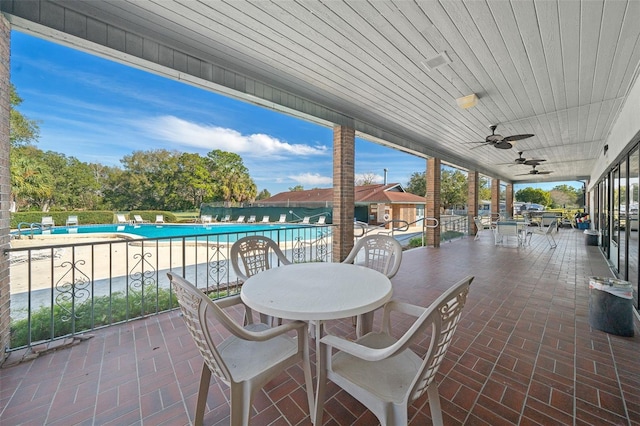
(285, 232)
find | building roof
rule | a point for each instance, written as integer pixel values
(392, 193)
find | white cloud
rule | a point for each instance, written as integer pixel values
(312, 179)
(186, 133)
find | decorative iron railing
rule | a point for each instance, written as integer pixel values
(68, 289)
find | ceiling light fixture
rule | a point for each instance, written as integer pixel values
(467, 101)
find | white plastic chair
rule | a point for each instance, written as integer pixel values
(382, 253)
(283, 218)
(138, 219)
(159, 218)
(547, 232)
(507, 229)
(322, 220)
(240, 219)
(120, 218)
(47, 222)
(72, 220)
(383, 372)
(480, 226)
(252, 219)
(306, 219)
(253, 254)
(244, 358)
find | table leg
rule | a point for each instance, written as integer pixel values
(321, 373)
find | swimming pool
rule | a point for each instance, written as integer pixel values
(222, 232)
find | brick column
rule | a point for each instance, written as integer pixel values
(495, 199)
(343, 191)
(432, 208)
(5, 183)
(509, 201)
(473, 180)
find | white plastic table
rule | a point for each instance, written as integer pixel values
(318, 292)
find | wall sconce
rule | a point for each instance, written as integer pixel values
(606, 148)
(467, 101)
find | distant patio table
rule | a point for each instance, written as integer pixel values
(318, 292)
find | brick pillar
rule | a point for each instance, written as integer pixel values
(5, 183)
(509, 201)
(473, 180)
(432, 208)
(343, 191)
(495, 199)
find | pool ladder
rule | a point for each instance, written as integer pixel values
(31, 227)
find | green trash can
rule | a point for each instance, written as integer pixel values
(611, 306)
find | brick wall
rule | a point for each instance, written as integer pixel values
(5, 181)
(343, 191)
(495, 198)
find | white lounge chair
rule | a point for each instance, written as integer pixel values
(226, 218)
(252, 219)
(205, 218)
(306, 219)
(265, 219)
(240, 219)
(322, 220)
(120, 218)
(138, 219)
(283, 218)
(72, 220)
(47, 222)
(159, 218)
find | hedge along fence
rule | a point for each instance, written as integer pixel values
(95, 217)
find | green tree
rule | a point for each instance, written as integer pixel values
(193, 183)
(264, 194)
(484, 191)
(565, 195)
(296, 188)
(417, 184)
(31, 178)
(453, 188)
(533, 195)
(22, 131)
(233, 182)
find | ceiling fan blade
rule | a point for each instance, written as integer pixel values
(517, 137)
(544, 173)
(483, 144)
(533, 161)
(503, 145)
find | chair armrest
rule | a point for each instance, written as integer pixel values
(360, 351)
(271, 332)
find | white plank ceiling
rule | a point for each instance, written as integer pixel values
(558, 69)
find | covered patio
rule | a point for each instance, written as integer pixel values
(524, 353)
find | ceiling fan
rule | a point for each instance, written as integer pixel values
(502, 142)
(535, 171)
(527, 161)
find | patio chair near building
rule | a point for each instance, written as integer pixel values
(480, 226)
(256, 253)
(383, 372)
(547, 232)
(505, 230)
(251, 356)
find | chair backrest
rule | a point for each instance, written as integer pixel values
(240, 219)
(205, 218)
(478, 221)
(507, 228)
(442, 316)
(381, 252)
(138, 218)
(159, 218)
(196, 308)
(47, 220)
(72, 219)
(306, 219)
(120, 218)
(265, 219)
(253, 254)
(322, 220)
(283, 218)
(252, 218)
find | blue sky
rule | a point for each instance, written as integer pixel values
(99, 111)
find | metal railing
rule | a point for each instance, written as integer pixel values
(67, 289)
